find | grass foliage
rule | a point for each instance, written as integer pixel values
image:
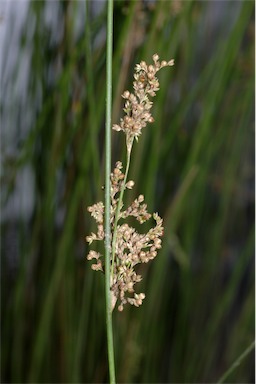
(194, 165)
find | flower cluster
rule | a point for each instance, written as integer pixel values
(131, 247)
(137, 105)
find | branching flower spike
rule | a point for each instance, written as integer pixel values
(129, 247)
(137, 105)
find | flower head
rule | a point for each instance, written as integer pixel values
(131, 247)
(137, 105)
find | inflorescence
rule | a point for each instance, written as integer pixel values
(129, 247)
(137, 105)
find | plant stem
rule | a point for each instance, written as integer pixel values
(117, 213)
(111, 359)
(236, 363)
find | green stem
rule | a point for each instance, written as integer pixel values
(111, 359)
(117, 213)
(236, 363)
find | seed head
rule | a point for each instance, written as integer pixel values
(129, 247)
(137, 105)
(132, 247)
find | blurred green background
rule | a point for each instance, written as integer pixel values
(195, 166)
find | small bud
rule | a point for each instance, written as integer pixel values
(126, 95)
(117, 127)
(151, 68)
(142, 254)
(130, 184)
(97, 267)
(153, 254)
(155, 57)
(119, 165)
(140, 198)
(143, 65)
(130, 286)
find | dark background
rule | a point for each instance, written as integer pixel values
(195, 166)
